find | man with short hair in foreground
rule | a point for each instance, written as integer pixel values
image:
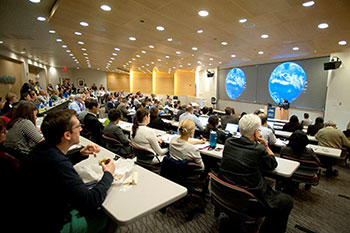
(55, 198)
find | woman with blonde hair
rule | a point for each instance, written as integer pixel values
(180, 148)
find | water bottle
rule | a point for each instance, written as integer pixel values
(213, 138)
(50, 103)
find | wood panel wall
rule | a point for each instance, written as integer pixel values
(140, 81)
(118, 82)
(163, 83)
(11, 68)
(185, 83)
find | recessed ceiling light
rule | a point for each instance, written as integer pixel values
(105, 7)
(152, 62)
(23, 52)
(41, 18)
(84, 24)
(210, 64)
(68, 51)
(167, 57)
(52, 31)
(71, 55)
(180, 65)
(264, 36)
(138, 55)
(308, 3)
(117, 49)
(233, 55)
(260, 52)
(242, 20)
(132, 38)
(189, 64)
(151, 46)
(211, 59)
(133, 59)
(295, 48)
(64, 46)
(84, 49)
(224, 43)
(114, 54)
(59, 40)
(34, 1)
(220, 62)
(199, 62)
(194, 48)
(112, 58)
(200, 31)
(78, 33)
(170, 39)
(80, 42)
(203, 13)
(85, 54)
(178, 52)
(322, 26)
(342, 42)
(160, 28)
(143, 51)
(159, 59)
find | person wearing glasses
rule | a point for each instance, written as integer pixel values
(56, 198)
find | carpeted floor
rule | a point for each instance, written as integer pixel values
(319, 210)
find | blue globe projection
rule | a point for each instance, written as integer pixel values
(287, 81)
(235, 83)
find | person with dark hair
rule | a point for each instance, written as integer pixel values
(292, 125)
(92, 126)
(189, 115)
(122, 110)
(211, 111)
(182, 110)
(212, 125)
(23, 135)
(313, 129)
(265, 131)
(110, 103)
(306, 121)
(145, 137)
(243, 162)
(205, 111)
(9, 115)
(297, 147)
(25, 96)
(113, 130)
(57, 199)
(242, 114)
(229, 117)
(157, 122)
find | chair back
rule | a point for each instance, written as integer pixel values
(143, 155)
(308, 172)
(234, 201)
(115, 146)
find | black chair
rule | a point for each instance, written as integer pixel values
(308, 172)
(190, 175)
(237, 203)
(144, 158)
(114, 145)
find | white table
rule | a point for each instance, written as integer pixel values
(55, 105)
(286, 134)
(326, 151)
(151, 193)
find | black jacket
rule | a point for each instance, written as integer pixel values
(95, 128)
(158, 123)
(243, 163)
(52, 187)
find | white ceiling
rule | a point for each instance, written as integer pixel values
(287, 23)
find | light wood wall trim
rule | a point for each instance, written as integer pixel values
(140, 81)
(185, 83)
(118, 82)
(163, 83)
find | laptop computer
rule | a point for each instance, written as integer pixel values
(203, 120)
(232, 128)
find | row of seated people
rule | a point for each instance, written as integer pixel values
(181, 145)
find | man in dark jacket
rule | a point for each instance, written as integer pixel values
(53, 189)
(313, 129)
(229, 117)
(244, 160)
(93, 127)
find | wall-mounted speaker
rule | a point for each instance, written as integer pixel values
(332, 65)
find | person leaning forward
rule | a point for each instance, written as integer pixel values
(56, 199)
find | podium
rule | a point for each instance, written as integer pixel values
(277, 113)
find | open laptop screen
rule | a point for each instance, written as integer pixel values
(203, 120)
(232, 128)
